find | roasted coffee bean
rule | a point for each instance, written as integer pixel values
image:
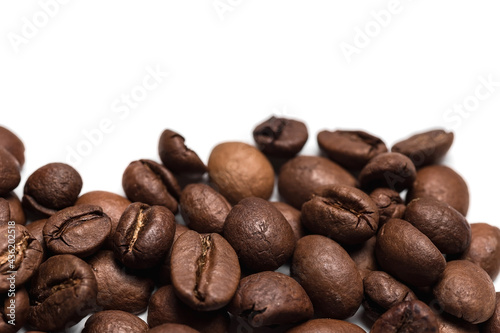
(12, 144)
(62, 292)
(172, 328)
(452, 324)
(20, 252)
(328, 275)
(392, 170)
(4, 211)
(78, 230)
(176, 156)
(113, 321)
(114, 281)
(151, 183)
(443, 184)
(165, 307)
(164, 270)
(364, 256)
(10, 176)
(144, 235)
(484, 249)
(16, 208)
(425, 148)
(300, 176)
(343, 213)
(466, 291)
(443, 224)
(389, 203)
(203, 208)
(271, 298)
(493, 324)
(35, 228)
(240, 171)
(205, 271)
(293, 217)
(412, 317)
(350, 149)
(326, 326)
(51, 188)
(382, 292)
(280, 137)
(407, 254)
(260, 234)
(14, 307)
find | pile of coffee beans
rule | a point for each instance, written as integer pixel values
(361, 226)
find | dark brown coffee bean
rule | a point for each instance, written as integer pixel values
(151, 183)
(425, 148)
(326, 326)
(350, 149)
(144, 235)
(78, 230)
(364, 256)
(165, 307)
(16, 208)
(172, 328)
(441, 183)
(300, 176)
(163, 277)
(176, 156)
(21, 254)
(260, 234)
(205, 271)
(12, 144)
(4, 211)
(113, 321)
(240, 171)
(328, 275)
(10, 176)
(343, 213)
(382, 292)
(391, 170)
(484, 249)
(14, 307)
(293, 217)
(466, 291)
(62, 292)
(35, 228)
(407, 254)
(407, 317)
(444, 225)
(493, 324)
(203, 208)
(114, 281)
(452, 324)
(271, 298)
(50, 188)
(389, 203)
(280, 137)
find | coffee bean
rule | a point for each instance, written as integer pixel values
(260, 234)
(205, 271)
(389, 203)
(293, 217)
(412, 316)
(166, 307)
(492, 325)
(364, 256)
(392, 170)
(425, 148)
(484, 249)
(466, 291)
(10, 176)
(328, 275)
(442, 183)
(343, 213)
(14, 307)
(407, 254)
(4, 211)
(300, 176)
(13, 144)
(176, 156)
(113, 321)
(271, 298)
(114, 281)
(203, 208)
(326, 326)
(280, 137)
(452, 324)
(35, 228)
(350, 149)
(172, 328)
(78, 230)
(51, 188)
(164, 270)
(144, 235)
(16, 208)
(21, 253)
(62, 292)
(239, 171)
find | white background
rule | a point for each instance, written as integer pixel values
(62, 75)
